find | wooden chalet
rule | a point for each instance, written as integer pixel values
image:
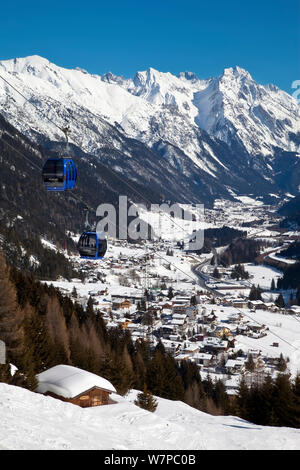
(76, 386)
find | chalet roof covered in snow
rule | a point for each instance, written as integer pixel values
(69, 382)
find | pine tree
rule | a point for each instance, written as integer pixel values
(24, 379)
(170, 293)
(11, 316)
(280, 301)
(296, 400)
(298, 296)
(74, 293)
(266, 403)
(146, 400)
(242, 400)
(90, 307)
(5, 374)
(255, 293)
(216, 273)
(284, 401)
(281, 365)
(250, 364)
(38, 346)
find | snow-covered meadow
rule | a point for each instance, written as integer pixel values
(30, 421)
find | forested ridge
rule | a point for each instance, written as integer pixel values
(241, 250)
(291, 210)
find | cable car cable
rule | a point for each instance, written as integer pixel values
(20, 153)
(36, 107)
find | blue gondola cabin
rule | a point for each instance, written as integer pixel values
(92, 245)
(59, 174)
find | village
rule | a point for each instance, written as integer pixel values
(162, 293)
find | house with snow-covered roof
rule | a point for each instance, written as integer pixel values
(76, 386)
(235, 365)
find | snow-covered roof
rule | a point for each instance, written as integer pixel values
(202, 356)
(69, 382)
(176, 321)
(192, 347)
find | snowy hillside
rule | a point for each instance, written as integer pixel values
(204, 130)
(32, 421)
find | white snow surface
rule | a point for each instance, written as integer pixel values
(33, 421)
(69, 382)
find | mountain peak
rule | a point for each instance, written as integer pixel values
(236, 72)
(187, 75)
(23, 64)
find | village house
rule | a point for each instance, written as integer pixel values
(257, 305)
(215, 345)
(234, 316)
(179, 307)
(121, 304)
(203, 359)
(207, 317)
(178, 325)
(235, 366)
(255, 353)
(170, 346)
(271, 306)
(232, 386)
(293, 310)
(242, 329)
(256, 329)
(221, 331)
(133, 298)
(103, 304)
(239, 303)
(155, 311)
(272, 359)
(182, 357)
(191, 349)
(165, 306)
(76, 386)
(191, 313)
(165, 331)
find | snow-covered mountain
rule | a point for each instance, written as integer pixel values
(230, 107)
(30, 421)
(220, 134)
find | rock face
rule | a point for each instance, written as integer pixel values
(220, 137)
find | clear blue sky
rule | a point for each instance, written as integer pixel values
(169, 35)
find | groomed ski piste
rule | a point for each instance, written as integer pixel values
(30, 421)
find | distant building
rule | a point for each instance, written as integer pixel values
(239, 303)
(118, 304)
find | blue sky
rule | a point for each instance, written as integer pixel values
(169, 35)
